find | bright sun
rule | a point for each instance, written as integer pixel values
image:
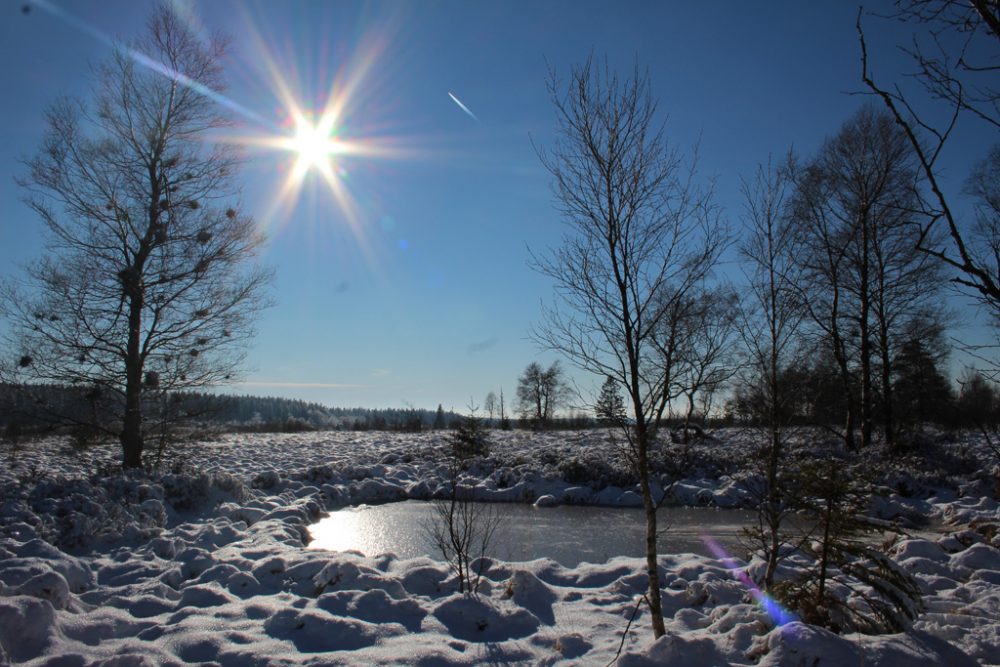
(320, 143)
(314, 145)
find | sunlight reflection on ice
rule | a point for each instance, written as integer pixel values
(373, 530)
(339, 532)
(567, 534)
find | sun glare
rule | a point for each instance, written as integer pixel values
(317, 142)
(325, 132)
(314, 145)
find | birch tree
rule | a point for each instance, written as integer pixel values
(640, 235)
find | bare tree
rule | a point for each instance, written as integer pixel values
(708, 353)
(504, 421)
(822, 257)
(984, 187)
(491, 405)
(145, 286)
(857, 206)
(462, 529)
(770, 325)
(540, 392)
(640, 231)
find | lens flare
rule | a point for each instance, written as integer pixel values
(779, 614)
(333, 129)
(322, 143)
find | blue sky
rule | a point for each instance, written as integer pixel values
(422, 295)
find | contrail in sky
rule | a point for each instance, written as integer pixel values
(462, 106)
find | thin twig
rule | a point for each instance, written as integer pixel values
(627, 627)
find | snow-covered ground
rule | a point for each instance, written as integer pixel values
(206, 565)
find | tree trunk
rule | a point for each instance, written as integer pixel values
(845, 378)
(888, 416)
(866, 390)
(864, 295)
(774, 417)
(773, 493)
(824, 558)
(133, 291)
(649, 507)
(131, 435)
(539, 416)
(687, 422)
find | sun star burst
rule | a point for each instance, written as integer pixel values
(325, 134)
(314, 145)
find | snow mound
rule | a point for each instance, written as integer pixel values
(480, 620)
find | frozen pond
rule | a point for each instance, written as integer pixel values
(567, 534)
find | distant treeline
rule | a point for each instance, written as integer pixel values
(269, 413)
(45, 408)
(34, 408)
(265, 413)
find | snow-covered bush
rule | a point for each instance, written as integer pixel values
(188, 488)
(186, 491)
(595, 472)
(266, 480)
(321, 473)
(231, 485)
(75, 512)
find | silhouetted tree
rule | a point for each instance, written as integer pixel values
(978, 405)
(707, 354)
(610, 406)
(491, 405)
(145, 287)
(922, 393)
(770, 322)
(439, 422)
(856, 206)
(540, 392)
(641, 234)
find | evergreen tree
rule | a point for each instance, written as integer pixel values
(977, 403)
(471, 438)
(439, 418)
(847, 584)
(610, 407)
(922, 393)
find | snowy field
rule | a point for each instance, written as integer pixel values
(206, 565)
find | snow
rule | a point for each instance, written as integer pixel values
(207, 564)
